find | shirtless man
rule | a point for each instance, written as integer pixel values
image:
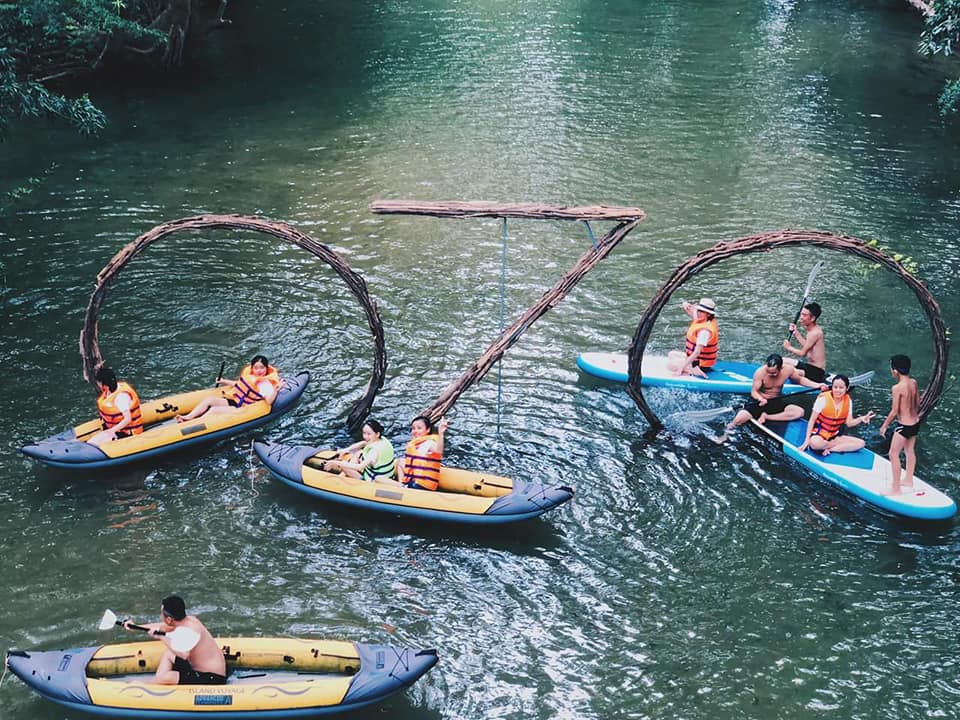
(201, 665)
(812, 349)
(766, 401)
(905, 409)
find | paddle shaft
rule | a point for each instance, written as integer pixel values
(220, 374)
(806, 294)
(131, 626)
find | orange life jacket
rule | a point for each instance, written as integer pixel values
(831, 418)
(423, 469)
(111, 415)
(708, 354)
(245, 389)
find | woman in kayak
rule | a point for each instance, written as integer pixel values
(374, 461)
(258, 381)
(833, 411)
(419, 468)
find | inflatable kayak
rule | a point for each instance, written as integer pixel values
(863, 474)
(162, 433)
(463, 496)
(266, 677)
(725, 377)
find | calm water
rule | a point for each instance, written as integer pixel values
(684, 580)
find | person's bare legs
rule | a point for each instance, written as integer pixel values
(897, 443)
(841, 443)
(165, 674)
(790, 412)
(203, 406)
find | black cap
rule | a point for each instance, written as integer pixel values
(174, 607)
(774, 360)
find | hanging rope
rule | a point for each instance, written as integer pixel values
(764, 243)
(90, 347)
(593, 240)
(503, 315)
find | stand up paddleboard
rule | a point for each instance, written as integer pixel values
(863, 474)
(725, 377)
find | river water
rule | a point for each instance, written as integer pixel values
(684, 580)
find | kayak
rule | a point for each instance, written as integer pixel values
(162, 433)
(863, 474)
(725, 377)
(266, 677)
(464, 496)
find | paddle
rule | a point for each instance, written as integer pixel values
(223, 364)
(182, 639)
(711, 413)
(806, 293)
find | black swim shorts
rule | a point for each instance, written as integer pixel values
(189, 676)
(773, 406)
(812, 372)
(908, 431)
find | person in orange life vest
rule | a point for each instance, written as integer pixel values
(258, 381)
(419, 468)
(831, 412)
(119, 407)
(702, 341)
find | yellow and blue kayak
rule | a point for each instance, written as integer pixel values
(266, 677)
(464, 496)
(162, 433)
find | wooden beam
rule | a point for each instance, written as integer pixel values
(530, 211)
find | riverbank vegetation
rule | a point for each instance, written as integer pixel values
(52, 49)
(941, 36)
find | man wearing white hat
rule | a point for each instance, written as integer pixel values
(702, 341)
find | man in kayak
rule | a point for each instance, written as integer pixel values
(812, 349)
(119, 408)
(905, 409)
(766, 399)
(702, 340)
(203, 664)
(258, 381)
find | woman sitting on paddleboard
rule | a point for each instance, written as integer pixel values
(702, 340)
(831, 412)
(419, 468)
(258, 381)
(374, 462)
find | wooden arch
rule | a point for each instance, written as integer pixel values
(627, 218)
(764, 243)
(90, 348)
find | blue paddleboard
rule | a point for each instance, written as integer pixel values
(726, 376)
(863, 474)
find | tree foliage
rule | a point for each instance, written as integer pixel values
(47, 45)
(941, 34)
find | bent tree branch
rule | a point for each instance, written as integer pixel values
(764, 243)
(90, 347)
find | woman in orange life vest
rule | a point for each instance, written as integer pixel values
(702, 341)
(119, 408)
(419, 468)
(258, 381)
(831, 412)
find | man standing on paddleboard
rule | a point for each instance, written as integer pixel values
(812, 349)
